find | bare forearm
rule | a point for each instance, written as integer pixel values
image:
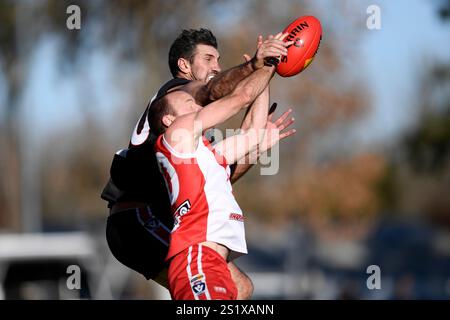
(257, 114)
(242, 166)
(224, 83)
(242, 97)
(250, 88)
(239, 169)
(255, 118)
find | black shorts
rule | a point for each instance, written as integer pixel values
(139, 241)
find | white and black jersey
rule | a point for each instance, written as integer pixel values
(134, 171)
(139, 237)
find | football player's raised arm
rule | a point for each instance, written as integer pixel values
(224, 83)
(241, 97)
(236, 147)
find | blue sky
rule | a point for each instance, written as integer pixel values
(410, 39)
(392, 58)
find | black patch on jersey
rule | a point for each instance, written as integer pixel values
(135, 174)
(175, 82)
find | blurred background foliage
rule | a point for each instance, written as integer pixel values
(54, 164)
(325, 179)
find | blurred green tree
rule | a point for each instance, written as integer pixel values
(418, 179)
(423, 162)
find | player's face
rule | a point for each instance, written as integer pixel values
(205, 63)
(183, 103)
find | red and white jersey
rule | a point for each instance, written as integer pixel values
(202, 200)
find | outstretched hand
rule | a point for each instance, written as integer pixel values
(274, 129)
(272, 47)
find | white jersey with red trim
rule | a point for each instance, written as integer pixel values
(202, 200)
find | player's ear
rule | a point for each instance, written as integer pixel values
(184, 65)
(167, 120)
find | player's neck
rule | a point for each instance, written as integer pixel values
(185, 76)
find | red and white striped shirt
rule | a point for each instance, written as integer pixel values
(202, 200)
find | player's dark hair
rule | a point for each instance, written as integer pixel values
(184, 46)
(158, 109)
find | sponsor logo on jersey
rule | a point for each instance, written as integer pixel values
(237, 217)
(182, 209)
(198, 284)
